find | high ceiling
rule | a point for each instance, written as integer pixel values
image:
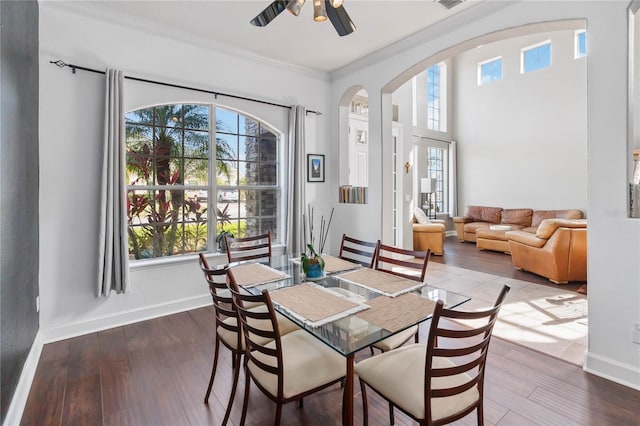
(300, 41)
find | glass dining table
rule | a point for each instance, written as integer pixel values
(351, 333)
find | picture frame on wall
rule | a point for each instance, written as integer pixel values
(315, 168)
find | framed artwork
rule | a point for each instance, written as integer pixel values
(315, 168)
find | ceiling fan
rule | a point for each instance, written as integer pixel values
(322, 9)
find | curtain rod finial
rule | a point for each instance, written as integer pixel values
(59, 63)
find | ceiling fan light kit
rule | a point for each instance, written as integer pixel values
(294, 6)
(319, 11)
(322, 10)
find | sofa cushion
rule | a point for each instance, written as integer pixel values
(517, 217)
(484, 214)
(549, 226)
(540, 215)
(526, 238)
(473, 227)
(419, 216)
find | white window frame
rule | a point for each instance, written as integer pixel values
(576, 44)
(442, 98)
(488, 61)
(524, 50)
(212, 187)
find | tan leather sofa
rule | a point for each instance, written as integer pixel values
(476, 224)
(557, 251)
(429, 236)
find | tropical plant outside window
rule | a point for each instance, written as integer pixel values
(169, 167)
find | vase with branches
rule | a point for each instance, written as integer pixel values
(312, 262)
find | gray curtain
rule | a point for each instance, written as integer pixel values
(113, 264)
(453, 179)
(296, 180)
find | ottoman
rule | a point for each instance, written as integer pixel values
(493, 238)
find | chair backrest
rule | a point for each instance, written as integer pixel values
(248, 248)
(260, 328)
(222, 300)
(401, 262)
(362, 252)
(456, 355)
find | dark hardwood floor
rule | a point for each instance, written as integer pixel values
(155, 373)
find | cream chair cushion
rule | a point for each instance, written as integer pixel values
(307, 364)
(397, 339)
(284, 325)
(399, 376)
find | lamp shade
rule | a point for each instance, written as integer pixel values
(428, 185)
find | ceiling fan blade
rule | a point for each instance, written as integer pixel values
(340, 19)
(269, 13)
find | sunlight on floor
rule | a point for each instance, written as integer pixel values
(544, 318)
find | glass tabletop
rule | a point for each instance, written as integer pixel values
(351, 333)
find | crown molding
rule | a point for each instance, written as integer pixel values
(132, 23)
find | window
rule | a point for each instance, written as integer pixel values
(536, 57)
(435, 97)
(489, 71)
(170, 161)
(435, 169)
(580, 49)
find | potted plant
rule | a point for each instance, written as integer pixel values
(224, 218)
(312, 262)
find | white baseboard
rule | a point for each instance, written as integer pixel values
(19, 400)
(98, 324)
(613, 370)
(451, 233)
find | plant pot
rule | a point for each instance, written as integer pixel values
(314, 271)
(313, 267)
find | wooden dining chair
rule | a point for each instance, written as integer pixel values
(358, 251)
(248, 248)
(227, 331)
(400, 262)
(227, 326)
(284, 367)
(410, 264)
(441, 381)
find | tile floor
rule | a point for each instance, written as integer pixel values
(547, 319)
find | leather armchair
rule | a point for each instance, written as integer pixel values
(557, 251)
(429, 236)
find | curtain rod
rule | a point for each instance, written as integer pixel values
(62, 64)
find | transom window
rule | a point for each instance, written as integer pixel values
(490, 70)
(580, 44)
(436, 97)
(536, 57)
(173, 166)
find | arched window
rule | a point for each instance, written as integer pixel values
(176, 159)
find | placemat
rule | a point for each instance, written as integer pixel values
(335, 264)
(396, 313)
(314, 304)
(250, 274)
(381, 282)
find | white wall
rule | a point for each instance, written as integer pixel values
(71, 114)
(522, 140)
(614, 240)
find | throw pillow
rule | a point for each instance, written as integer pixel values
(420, 216)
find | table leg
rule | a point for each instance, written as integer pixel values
(347, 396)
